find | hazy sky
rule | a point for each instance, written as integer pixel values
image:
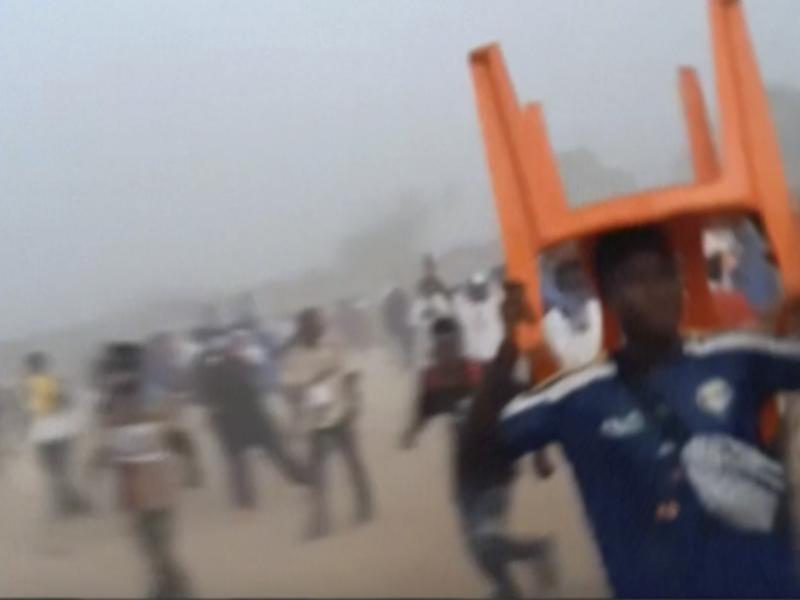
(162, 144)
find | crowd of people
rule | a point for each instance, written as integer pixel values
(664, 436)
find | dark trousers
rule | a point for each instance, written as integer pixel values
(155, 531)
(258, 432)
(182, 444)
(324, 442)
(483, 518)
(55, 458)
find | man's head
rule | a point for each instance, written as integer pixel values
(640, 281)
(122, 364)
(310, 326)
(447, 344)
(478, 288)
(36, 362)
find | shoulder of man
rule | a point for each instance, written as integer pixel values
(564, 385)
(739, 341)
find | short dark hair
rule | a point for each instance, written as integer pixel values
(307, 313)
(122, 357)
(36, 361)
(614, 247)
(444, 326)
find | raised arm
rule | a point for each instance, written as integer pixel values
(481, 431)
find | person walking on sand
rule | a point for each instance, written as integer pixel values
(317, 374)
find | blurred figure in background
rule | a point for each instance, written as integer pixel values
(734, 311)
(52, 432)
(166, 384)
(478, 312)
(431, 302)
(265, 348)
(447, 388)
(228, 385)
(317, 374)
(136, 444)
(430, 276)
(396, 318)
(755, 276)
(732, 306)
(719, 240)
(13, 421)
(573, 321)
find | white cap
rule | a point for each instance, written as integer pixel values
(719, 240)
(479, 279)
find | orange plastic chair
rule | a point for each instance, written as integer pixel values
(532, 207)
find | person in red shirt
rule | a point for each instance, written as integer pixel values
(447, 388)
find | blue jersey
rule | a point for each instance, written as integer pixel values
(617, 455)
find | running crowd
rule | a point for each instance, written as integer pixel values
(674, 442)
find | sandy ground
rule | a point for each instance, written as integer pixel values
(412, 548)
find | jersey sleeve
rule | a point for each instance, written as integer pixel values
(771, 365)
(535, 419)
(775, 365)
(529, 423)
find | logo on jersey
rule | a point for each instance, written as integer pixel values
(619, 427)
(715, 396)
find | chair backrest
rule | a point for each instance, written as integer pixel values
(747, 179)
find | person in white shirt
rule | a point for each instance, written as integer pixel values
(573, 323)
(722, 241)
(430, 303)
(478, 313)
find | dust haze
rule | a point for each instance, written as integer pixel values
(154, 151)
(160, 156)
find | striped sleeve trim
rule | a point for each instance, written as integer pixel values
(560, 389)
(744, 341)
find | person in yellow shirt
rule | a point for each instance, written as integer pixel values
(51, 432)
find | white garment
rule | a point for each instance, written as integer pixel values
(318, 372)
(54, 427)
(734, 481)
(424, 311)
(720, 240)
(137, 443)
(573, 347)
(481, 325)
